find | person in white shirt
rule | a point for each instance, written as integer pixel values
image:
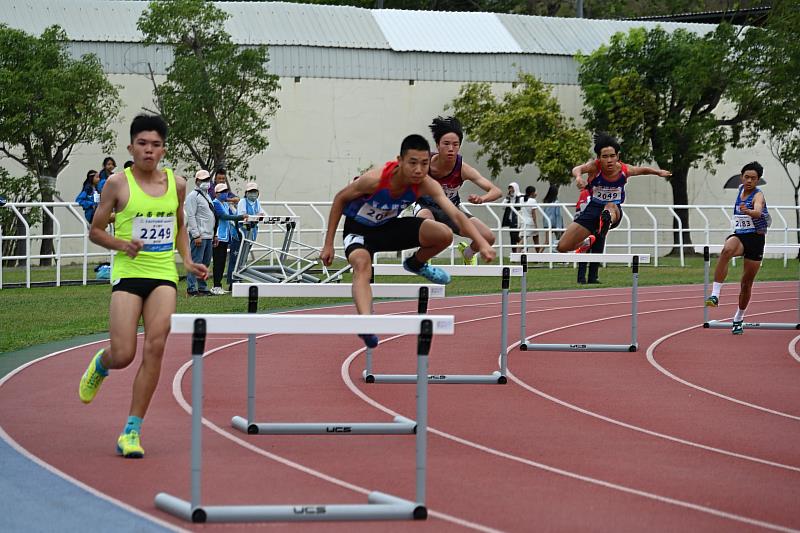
(527, 213)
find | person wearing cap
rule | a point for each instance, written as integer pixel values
(201, 227)
(249, 205)
(227, 242)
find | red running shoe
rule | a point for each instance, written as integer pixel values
(586, 245)
(605, 223)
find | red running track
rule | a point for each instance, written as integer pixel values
(698, 430)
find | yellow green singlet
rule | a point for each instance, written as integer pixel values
(152, 220)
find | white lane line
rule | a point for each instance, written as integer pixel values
(177, 393)
(651, 358)
(793, 348)
(60, 473)
(345, 373)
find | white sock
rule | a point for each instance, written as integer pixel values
(716, 289)
(739, 316)
(469, 252)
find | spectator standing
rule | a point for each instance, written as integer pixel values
(108, 169)
(89, 197)
(220, 176)
(201, 227)
(527, 215)
(227, 244)
(510, 218)
(249, 205)
(553, 218)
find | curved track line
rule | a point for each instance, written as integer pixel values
(793, 348)
(345, 374)
(177, 393)
(652, 360)
(63, 475)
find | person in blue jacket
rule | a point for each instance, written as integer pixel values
(89, 196)
(227, 241)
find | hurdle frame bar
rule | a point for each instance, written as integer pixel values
(399, 426)
(379, 506)
(497, 377)
(633, 259)
(727, 324)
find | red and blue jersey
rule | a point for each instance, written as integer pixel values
(605, 191)
(745, 223)
(380, 207)
(450, 183)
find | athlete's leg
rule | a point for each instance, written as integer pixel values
(572, 237)
(750, 270)
(425, 213)
(125, 310)
(433, 238)
(733, 248)
(361, 261)
(485, 232)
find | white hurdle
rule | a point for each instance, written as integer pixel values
(725, 324)
(380, 506)
(498, 377)
(633, 259)
(254, 291)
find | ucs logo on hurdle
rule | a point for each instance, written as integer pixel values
(338, 429)
(309, 509)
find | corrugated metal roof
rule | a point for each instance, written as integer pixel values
(287, 24)
(283, 23)
(568, 36)
(440, 31)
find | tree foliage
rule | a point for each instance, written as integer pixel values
(50, 103)
(218, 97)
(679, 99)
(526, 126)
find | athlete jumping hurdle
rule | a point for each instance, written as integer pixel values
(607, 189)
(372, 204)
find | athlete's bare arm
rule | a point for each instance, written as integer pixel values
(648, 171)
(364, 185)
(758, 206)
(580, 170)
(493, 192)
(429, 187)
(114, 197)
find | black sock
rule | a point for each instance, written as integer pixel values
(414, 263)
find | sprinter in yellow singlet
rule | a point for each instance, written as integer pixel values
(149, 226)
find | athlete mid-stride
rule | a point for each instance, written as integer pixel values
(372, 204)
(608, 176)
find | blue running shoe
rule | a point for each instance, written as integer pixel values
(429, 272)
(738, 328)
(369, 339)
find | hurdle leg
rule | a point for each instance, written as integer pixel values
(523, 304)
(634, 303)
(198, 347)
(504, 327)
(252, 307)
(706, 267)
(423, 349)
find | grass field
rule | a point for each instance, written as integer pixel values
(45, 314)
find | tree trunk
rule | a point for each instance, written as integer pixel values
(47, 223)
(680, 196)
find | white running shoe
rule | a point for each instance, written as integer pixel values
(218, 291)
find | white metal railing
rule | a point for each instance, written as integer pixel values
(643, 229)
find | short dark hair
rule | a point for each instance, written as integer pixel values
(221, 170)
(604, 140)
(441, 126)
(127, 164)
(414, 142)
(144, 122)
(753, 165)
(530, 189)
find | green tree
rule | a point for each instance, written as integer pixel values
(218, 97)
(662, 95)
(526, 126)
(49, 103)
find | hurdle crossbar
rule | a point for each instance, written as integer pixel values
(727, 324)
(335, 290)
(497, 377)
(632, 259)
(379, 506)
